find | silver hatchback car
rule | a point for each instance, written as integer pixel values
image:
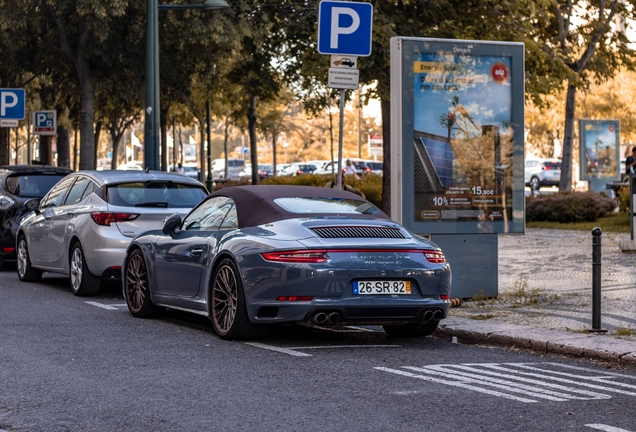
(85, 223)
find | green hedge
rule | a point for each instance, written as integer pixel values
(369, 184)
(568, 207)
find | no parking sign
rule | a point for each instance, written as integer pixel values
(45, 122)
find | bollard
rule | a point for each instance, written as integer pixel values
(596, 281)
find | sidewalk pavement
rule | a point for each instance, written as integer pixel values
(545, 298)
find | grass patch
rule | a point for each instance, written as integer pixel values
(624, 331)
(482, 317)
(579, 330)
(613, 222)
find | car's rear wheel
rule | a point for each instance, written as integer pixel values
(535, 184)
(26, 272)
(83, 283)
(412, 329)
(228, 310)
(137, 287)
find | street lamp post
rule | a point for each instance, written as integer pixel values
(151, 127)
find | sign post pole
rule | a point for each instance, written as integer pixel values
(340, 137)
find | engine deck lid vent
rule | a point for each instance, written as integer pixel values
(358, 232)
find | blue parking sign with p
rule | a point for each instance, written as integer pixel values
(12, 104)
(345, 28)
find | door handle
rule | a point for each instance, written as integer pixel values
(70, 214)
(196, 252)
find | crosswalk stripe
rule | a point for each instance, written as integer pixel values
(455, 384)
(535, 391)
(592, 395)
(605, 428)
(602, 379)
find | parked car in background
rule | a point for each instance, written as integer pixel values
(191, 170)
(234, 167)
(375, 166)
(280, 168)
(313, 256)
(297, 169)
(21, 188)
(542, 172)
(359, 165)
(84, 224)
(264, 171)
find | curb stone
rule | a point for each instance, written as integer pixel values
(544, 341)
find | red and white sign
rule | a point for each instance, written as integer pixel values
(375, 145)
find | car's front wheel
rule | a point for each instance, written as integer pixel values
(535, 184)
(83, 283)
(137, 288)
(26, 272)
(228, 309)
(412, 329)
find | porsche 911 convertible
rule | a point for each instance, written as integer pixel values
(249, 256)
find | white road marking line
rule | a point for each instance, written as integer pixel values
(600, 379)
(531, 390)
(592, 395)
(605, 428)
(565, 366)
(274, 348)
(364, 329)
(345, 346)
(455, 384)
(563, 380)
(101, 305)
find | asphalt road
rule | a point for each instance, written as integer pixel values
(80, 364)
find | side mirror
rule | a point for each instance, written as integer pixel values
(32, 203)
(171, 224)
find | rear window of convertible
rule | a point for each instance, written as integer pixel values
(325, 205)
(154, 194)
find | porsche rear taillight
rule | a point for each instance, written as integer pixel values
(435, 256)
(301, 256)
(107, 218)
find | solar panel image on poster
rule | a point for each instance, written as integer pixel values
(441, 157)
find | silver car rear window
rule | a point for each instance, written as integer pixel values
(312, 205)
(154, 194)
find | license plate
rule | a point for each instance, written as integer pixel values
(381, 287)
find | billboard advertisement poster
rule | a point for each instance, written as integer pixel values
(599, 149)
(461, 136)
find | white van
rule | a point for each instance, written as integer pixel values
(235, 166)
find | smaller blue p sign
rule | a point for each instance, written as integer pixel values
(45, 122)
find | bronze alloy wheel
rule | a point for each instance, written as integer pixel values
(136, 282)
(224, 299)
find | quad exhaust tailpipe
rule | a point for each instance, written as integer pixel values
(437, 315)
(327, 318)
(428, 315)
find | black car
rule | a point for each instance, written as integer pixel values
(21, 188)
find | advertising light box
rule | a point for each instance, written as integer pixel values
(457, 136)
(599, 149)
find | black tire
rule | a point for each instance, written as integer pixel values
(535, 184)
(83, 283)
(228, 310)
(1, 261)
(412, 329)
(26, 272)
(137, 288)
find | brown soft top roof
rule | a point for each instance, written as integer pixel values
(255, 204)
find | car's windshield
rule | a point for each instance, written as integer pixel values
(309, 205)
(155, 194)
(32, 185)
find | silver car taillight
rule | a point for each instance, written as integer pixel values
(106, 218)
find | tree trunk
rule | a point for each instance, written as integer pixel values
(63, 147)
(88, 138)
(5, 140)
(225, 140)
(203, 173)
(116, 139)
(386, 155)
(98, 132)
(565, 184)
(251, 122)
(45, 149)
(274, 137)
(163, 127)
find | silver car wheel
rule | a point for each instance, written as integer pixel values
(22, 257)
(136, 283)
(224, 299)
(76, 269)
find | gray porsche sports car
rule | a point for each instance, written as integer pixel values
(248, 256)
